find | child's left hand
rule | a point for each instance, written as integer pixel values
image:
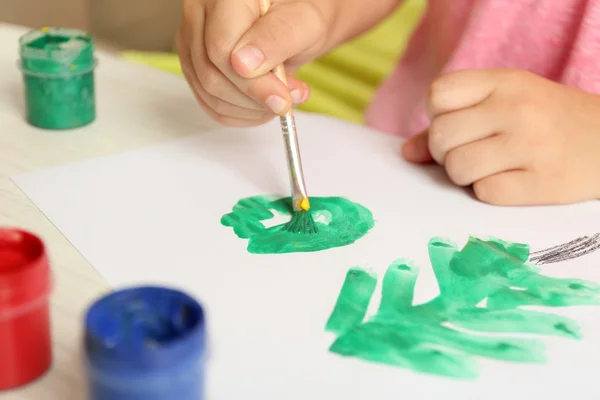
(518, 138)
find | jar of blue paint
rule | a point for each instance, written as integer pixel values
(145, 343)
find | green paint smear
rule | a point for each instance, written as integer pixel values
(444, 335)
(339, 222)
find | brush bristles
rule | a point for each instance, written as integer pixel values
(301, 222)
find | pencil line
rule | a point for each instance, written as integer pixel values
(574, 249)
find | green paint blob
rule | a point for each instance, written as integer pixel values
(443, 335)
(353, 302)
(338, 222)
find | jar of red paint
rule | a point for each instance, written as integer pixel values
(25, 285)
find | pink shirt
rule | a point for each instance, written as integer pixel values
(557, 39)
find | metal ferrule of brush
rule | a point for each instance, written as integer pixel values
(292, 151)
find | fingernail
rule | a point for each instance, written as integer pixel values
(415, 152)
(408, 149)
(251, 57)
(297, 96)
(306, 93)
(276, 104)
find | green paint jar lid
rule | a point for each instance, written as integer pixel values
(58, 73)
(56, 51)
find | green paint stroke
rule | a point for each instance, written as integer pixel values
(443, 335)
(339, 222)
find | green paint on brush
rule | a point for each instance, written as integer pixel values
(426, 337)
(338, 222)
(301, 222)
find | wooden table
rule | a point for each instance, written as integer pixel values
(25, 148)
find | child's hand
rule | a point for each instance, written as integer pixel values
(227, 52)
(517, 138)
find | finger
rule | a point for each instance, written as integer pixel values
(194, 59)
(213, 81)
(415, 149)
(510, 188)
(299, 90)
(524, 188)
(277, 36)
(225, 108)
(461, 89)
(227, 24)
(219, 110)
(476, 160)
(457, 128)
(219, 106)
(233, 118)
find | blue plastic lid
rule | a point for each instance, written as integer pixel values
(144, 329)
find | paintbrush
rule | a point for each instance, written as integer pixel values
(302, 221)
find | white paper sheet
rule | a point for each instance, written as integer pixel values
(152, 216)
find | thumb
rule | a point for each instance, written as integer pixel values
(416, 149)
(286, 30)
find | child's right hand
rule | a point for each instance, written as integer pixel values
(227, 52)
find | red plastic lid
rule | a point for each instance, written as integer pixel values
(24, 271)
(25, 342)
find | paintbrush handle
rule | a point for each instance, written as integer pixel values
(288, 127)
(279, 70)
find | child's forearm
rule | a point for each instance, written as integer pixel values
(351, 18)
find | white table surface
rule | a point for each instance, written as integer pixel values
(25, 148)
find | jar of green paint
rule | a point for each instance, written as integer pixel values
(58, 72)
